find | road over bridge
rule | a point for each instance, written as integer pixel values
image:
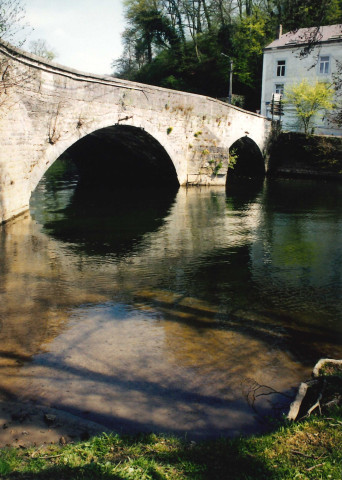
(117, 131)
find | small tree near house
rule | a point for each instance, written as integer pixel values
(308, 100)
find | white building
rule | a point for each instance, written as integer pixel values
(283, 65)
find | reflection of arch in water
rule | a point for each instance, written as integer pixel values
(97, 220)
(248, 159)
(241, 192)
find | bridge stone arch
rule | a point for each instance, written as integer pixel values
(45, 108)
(248, 158)
(110, 153)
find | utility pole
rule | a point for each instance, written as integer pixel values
(230, 78)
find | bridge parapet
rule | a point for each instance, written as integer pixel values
(46, 108)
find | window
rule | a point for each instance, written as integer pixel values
(279, 88)
(324, 64)
(281, 68)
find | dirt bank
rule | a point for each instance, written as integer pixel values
(26, 424)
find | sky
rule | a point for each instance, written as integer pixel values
(85, 34)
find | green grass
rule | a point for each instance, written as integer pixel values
(311, 449)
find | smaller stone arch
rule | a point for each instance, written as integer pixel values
(246, 159)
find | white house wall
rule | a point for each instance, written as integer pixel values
(298, 69)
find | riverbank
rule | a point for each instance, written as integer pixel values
(23, 425)
(310, 448)
(294, 154)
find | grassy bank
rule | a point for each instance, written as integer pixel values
(310, 449)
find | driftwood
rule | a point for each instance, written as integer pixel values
(322, 392)
(323, 361)
(296, 404)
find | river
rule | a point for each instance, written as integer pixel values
(197, 311)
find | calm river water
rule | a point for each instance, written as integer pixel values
(197, 311)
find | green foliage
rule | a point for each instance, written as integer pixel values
(311, 153)
(5, 467)
(249, 41)
(179, 44)
(169, 130)
(233, 158)
(217, 168)
(308, 99)
(296, 14)
(337, 78)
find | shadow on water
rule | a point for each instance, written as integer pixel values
(148, 395)
(276, 331)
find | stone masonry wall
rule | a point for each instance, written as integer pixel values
(45, 108)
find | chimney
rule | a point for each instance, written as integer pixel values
(280, 30)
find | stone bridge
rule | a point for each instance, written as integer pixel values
(117, 131)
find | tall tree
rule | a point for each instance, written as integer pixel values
(153, 29)
(178, 43)
(12, 15)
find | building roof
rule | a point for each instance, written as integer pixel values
(302, 36)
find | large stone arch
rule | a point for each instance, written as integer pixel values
(152, 141)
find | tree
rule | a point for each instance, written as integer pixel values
(337, 118)
(12, 14)
(309, 99)
(42, 49)
(178, 43)
(296, 14)
(249, 40)
(153, 29)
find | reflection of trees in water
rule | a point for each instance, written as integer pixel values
(284, 283)
(296, 196)
(296, 257)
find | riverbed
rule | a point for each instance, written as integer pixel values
(195, 311)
